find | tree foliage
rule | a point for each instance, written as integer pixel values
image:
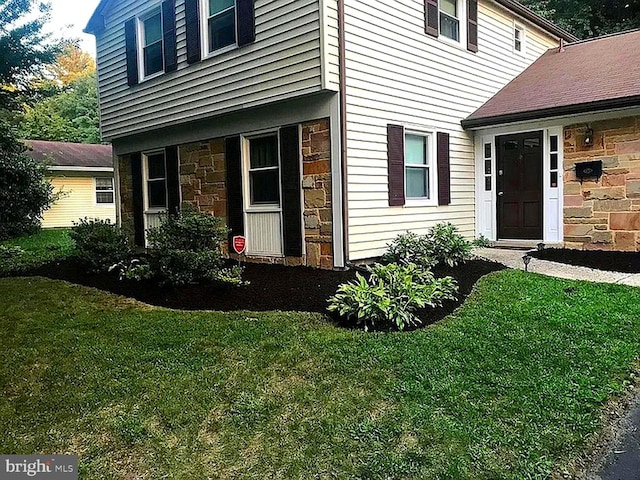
(25, 194)
(24, 50)
(70, 115)
(589, 18)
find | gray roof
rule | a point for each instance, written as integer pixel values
(588, 76)
(61, 154)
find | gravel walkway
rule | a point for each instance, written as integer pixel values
(513, 259)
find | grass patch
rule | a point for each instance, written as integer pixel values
(508, 387)
(44, 247)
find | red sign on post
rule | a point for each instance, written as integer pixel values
(239, 244)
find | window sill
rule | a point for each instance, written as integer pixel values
(151, 77)
(220, 51)
(420, 202)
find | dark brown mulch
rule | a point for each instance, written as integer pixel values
(626, 262)
(272, 287)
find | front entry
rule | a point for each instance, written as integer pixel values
(520, 189)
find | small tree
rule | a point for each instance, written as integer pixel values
(25, 193)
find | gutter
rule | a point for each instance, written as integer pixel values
(55, 168)
(343, 129)
(536, 19)
(609, 104)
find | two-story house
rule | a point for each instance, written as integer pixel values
(319, 129)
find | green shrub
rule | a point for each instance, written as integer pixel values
(391, 295)
(185, 248)
(25, 193)
(409, 248)
(135, 269)
(447, 246)
(99, 244)
(442, 245)
(481, 242)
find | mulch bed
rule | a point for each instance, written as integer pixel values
(626, 262)
(271, 287)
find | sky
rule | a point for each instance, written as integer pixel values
(68, 19)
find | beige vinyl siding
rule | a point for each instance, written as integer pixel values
(284, 62)
(397, 74)
(330, 45)
(78, 201)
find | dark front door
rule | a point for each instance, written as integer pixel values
(520, 208)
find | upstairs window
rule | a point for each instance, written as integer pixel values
(518, 38)
(449, 19)
(151, 45)
(221, 24)
(453, 21)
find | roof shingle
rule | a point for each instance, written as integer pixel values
(61, 154)
(584, 76)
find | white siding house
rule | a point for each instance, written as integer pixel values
(203, 83)
(397, 74)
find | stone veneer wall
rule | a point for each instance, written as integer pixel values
(203, 185)
(603, 215)
(126, 196)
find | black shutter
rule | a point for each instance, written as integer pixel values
(431, 21)
(192, 12)
(291, 188)
(395, 157)
(235, 209)
(132, 51)
(472, 25)
(444, 171)
(138, 200)
(169, 35)
(173, 179)
(246, 19)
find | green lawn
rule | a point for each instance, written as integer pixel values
(43, 247)
(509, 387)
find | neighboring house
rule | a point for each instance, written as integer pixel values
(319, 129)
(558, 149)
(83, 174)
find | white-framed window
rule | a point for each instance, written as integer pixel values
(419, 166)
(264, 171)
(518, 38)
(155, 177)
(449, 18)
(105, 192)
(219, 25)
(151, 52)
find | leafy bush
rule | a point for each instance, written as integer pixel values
(99, 244)
(391, 295)
(25, 193)
(185, 248)
(482, 242)
(135, 269)
(447, 246)
(442, 245)
(409, 248)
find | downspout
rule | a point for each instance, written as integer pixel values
(343, 129)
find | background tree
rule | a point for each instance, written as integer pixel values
(589, 18)
(24, 50)
(70, 114)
